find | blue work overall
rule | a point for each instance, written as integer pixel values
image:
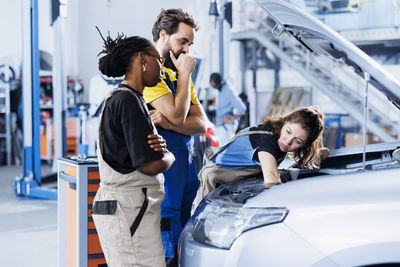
(180, 184)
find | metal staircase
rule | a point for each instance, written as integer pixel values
(336, 81)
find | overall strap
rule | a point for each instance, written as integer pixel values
(212, 154)
(172, 85)
(142, 210)
(115, 90)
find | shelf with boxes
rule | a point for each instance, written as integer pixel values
(5, 115)
(72, 123)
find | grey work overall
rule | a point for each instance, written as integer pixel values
(126, 213)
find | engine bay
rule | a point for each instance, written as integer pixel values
(340, 161)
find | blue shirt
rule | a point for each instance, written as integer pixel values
(229, 103)
(243, 151)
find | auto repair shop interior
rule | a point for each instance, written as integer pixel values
(277, 55)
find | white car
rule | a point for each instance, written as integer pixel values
(345, 214)
(338, 216)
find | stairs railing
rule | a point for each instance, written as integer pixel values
(335, 80)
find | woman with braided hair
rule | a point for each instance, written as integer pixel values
(131, 156)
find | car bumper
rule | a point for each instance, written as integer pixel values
(192, 253)
(273, 245)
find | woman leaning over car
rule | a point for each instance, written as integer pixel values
(132, 157)
(298, 133)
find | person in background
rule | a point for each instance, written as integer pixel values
(298, 133)
(229, 108)
(178, 115)
(244, 120)
(131, 156)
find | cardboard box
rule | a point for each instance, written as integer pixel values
(356, 139)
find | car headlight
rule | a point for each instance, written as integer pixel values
(219, 226)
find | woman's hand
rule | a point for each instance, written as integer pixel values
(157, 142)
(323, 153)
(155, 167)
(270, 184)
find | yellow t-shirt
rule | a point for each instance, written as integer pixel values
(152, 93)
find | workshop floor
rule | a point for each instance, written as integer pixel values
(28, 227)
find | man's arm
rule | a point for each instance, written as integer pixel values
(175, 107)
(195, 123)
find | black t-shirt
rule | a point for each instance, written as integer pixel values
(267, 143)
(125, 126)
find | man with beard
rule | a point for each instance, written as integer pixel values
(176, 110)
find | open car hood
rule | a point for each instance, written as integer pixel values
(320, 39)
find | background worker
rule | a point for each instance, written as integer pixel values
(131, 156)
(229, 109)
(178, 115)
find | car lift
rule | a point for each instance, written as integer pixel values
(30, 184)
